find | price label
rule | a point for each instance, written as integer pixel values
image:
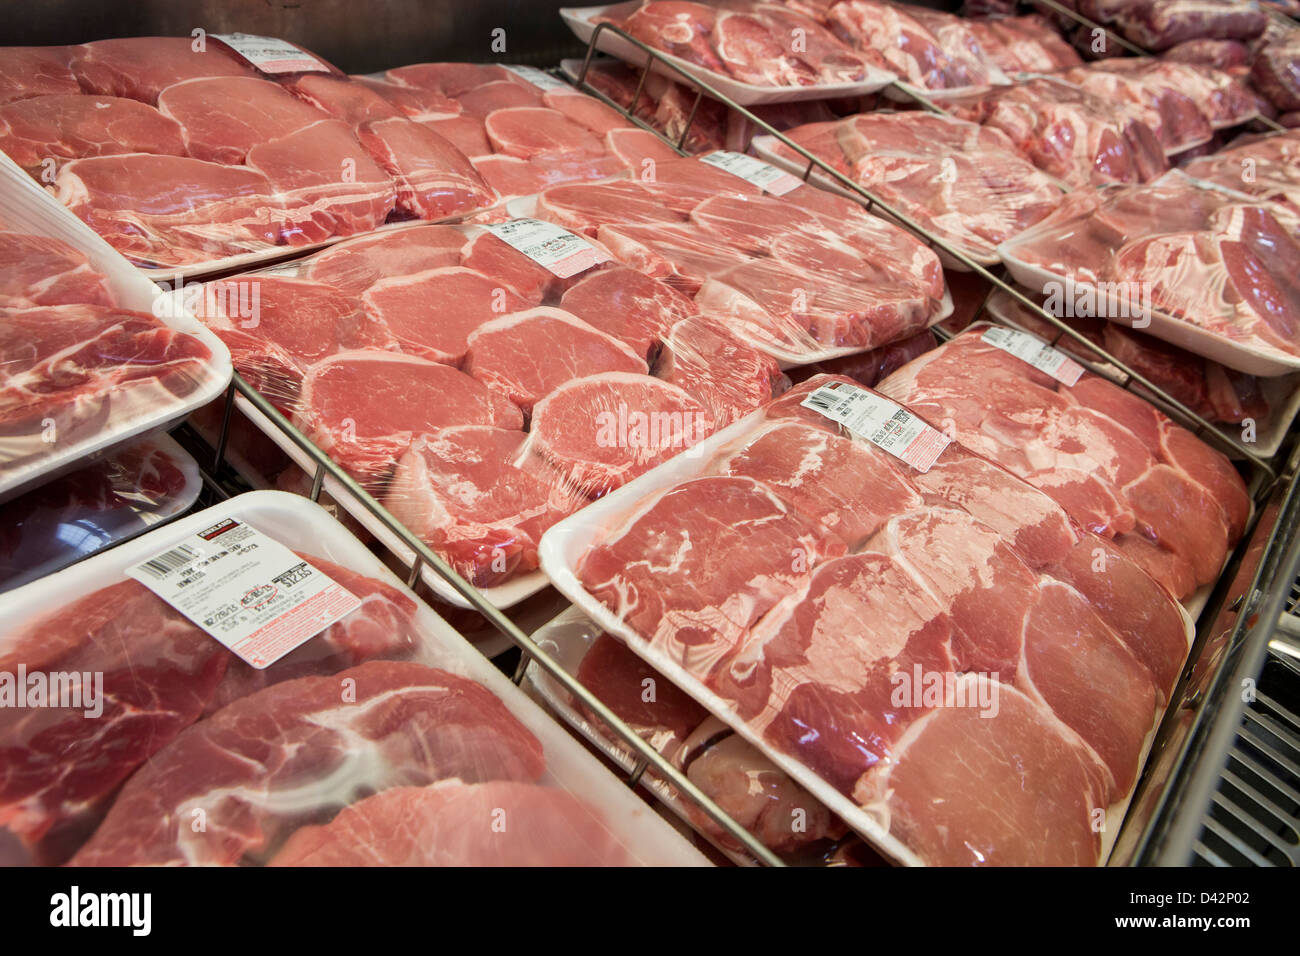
(766, 177)
(248, 591)
(1033, 350)
(885, 424)
(550, 246)
(271, 55)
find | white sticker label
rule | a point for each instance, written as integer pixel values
(550, 246)
(883, 423)
(1033, 350)
(248, 591)
(539, 78)
(765, 177)
(271, 55)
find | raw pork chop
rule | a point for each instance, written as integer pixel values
(602, 431)
(529, 132)
(728, 377)
(466, 133)
(682, 29)
(504, 354)
(450, 79)
(326, 180)
(341, 98)
(293, 324)
(365, 407)
(41, 270)
(80, 364)
(70, 127)
(296, 753)
(59, 768)
(432, 314)
(462, 492)
(511, 176)
(509, 94)
(628, 305)
(1017, 787)
(701, 563)
(224, 117)
(357, 265)
(452, 824)
(27, 71)
(495, 257)
(173, 210)
(848, 488)
(140, 68)
(160, 674)
(435, 180)
(586, 111)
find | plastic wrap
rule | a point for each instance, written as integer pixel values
(177, 752)
(797, 545)
(185, 157)
(413, 360)
(1263, 166)
(1177, 100)
(755, 45)
(1220, 54)
(749, 787)
(663, 104)
(1203, 267)
(959, 180)
(1207, 388)
(1160, 24)
(1117, 465)
(93, 508)
(1068, 133)
(521, 129)
(926, 48)
(89, 356)
(1276, 72)
(804, 277)
(1027, 44)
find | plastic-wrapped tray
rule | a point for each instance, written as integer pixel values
(28, 209)
(581, 20)
(119, 496)
(1282, 393)
(304, 526)
(1261, 360)
(566, 543)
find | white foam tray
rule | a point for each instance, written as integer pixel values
(306, 527)
(566, 542)
(581, 21)
(567, 638)
(28, 208)
(1281, 393)
(1263, 361)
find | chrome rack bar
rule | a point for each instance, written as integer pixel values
(1199, 425)
(530, 649)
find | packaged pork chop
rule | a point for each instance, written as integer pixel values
(835, 526)
(90, 355)
(251, 686)
(1207, 268)
(483, 382)
(191, 155)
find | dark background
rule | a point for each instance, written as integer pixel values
(358, 36)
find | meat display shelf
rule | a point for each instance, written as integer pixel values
(647, 756)
(1196, 423)
(1142, 820)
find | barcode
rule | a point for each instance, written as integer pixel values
(824, 399)
(169, 561)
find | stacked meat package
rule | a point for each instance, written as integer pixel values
(383, 740)
(411, 358)
(751, 575)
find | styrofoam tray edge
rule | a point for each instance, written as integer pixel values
(1184, 334)
(579, 21)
